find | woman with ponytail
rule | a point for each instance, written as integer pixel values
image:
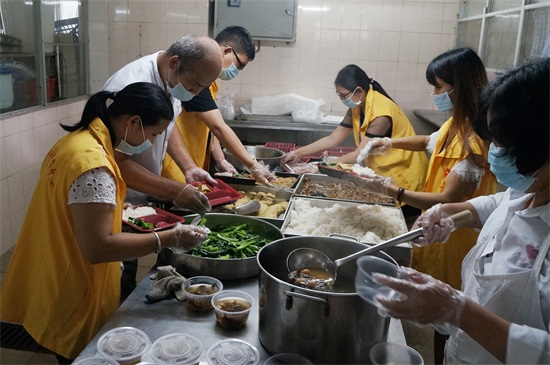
(63, 282)
(371, 114)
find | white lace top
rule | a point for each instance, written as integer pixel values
(94, 186)
(465, 169)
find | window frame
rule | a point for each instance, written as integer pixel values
(487, 14)
(41, 63)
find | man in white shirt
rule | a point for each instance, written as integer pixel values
(189, 65)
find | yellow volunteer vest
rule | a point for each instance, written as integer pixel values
(444, 260)
(194, 133)
(60, 298)
(406, 168)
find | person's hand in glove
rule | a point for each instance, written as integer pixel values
(185, 236)
(423, 299)
(436, 226)
(225, 166)
(261, 174)
(374, 184)
(291, 158)
(196, 174)
(191, 198)
(379, 146)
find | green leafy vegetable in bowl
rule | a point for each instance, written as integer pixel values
(230, 242)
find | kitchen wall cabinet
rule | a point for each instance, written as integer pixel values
(273, 20)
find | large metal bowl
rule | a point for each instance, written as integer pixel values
(222, 269)
(269, 156)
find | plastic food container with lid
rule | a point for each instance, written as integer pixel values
(176, 348)
(232, 352)
(126, 345)
(95, 360)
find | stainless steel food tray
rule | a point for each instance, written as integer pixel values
(326, 180)
(401, 253)
(280, 195)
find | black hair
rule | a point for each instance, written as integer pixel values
(514, 111)
(464, 71)
(239, 38)
(145, 99)
(353, 76)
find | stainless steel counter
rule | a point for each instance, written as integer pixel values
(260, 132)
(171, 316)
(435, 117)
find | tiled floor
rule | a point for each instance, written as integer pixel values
(9, 356)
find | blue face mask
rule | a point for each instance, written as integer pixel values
(443, 101)
(231, 72)
(504, 167)
(178, 91)
(128, 149)
(349, 101)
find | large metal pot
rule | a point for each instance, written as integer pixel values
(333, 327)
(223, 269)
(269, 156)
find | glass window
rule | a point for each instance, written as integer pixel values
(472, 8)
(536, 33)
(496, 5)
(18, 58)
(49, 63)
(468, 34)
(500, 41)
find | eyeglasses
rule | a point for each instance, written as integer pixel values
(240, 65)
(344, 96)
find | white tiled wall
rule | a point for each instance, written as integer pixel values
(24, 141)
(392, 40)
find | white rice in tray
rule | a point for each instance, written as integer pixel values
(368, 223)
(136, 212)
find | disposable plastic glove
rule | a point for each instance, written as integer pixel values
(196, 174)
(225, 166)
(261, 174)
(436, 226)
(423, 299)
(379, 146)
(191, 198)
(375, 184)
(291, 158)
(185, 236)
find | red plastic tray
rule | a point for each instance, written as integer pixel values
(313, 156)
(283, 146)
(162, 219)
(221, 194)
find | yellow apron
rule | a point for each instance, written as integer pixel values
(406, 168)
(194, 133)
(443, 261)
(50, 288)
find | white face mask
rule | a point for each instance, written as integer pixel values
(128, 149)
(178, 91)
(231, 72)
(349, 101)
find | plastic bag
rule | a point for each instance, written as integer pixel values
(226, 103)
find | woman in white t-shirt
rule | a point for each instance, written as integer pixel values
(502, 314)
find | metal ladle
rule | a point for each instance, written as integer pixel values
(308, 258)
